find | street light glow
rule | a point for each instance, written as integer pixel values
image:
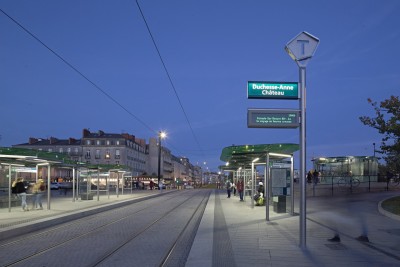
(163, 134)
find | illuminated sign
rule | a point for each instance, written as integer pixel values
(272, 90)
(273, 118)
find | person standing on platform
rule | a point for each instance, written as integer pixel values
(309, 177)
(38, 190)
(228, 188)
(151, 184)
(316, 177)
(240, 188)
(21, 193)
(260, 187)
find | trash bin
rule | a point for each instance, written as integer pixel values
(279, 204)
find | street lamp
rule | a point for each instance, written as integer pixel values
(161, 135)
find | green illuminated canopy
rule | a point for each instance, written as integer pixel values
(239, 156)
(30, 157)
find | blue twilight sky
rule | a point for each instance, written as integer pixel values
(211, 48)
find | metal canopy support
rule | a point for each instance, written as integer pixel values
(117, 187)
(48, 187)
(9, 189)
(252, 185)
(98, 185)
(268, 188)
(291, 186)
(73, 184)
(108, 184)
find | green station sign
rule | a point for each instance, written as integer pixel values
(272, 90)
(273, 118)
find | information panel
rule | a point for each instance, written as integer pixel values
(273, 118)
(272, 90)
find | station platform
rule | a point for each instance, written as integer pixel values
(233, 233)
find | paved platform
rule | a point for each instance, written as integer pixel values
(253, 241)
(235, 234)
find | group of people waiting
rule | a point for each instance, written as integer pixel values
(19, 189)
(313, 177)
(239, 187)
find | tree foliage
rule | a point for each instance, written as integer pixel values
(387, 122)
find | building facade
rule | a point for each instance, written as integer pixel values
(166, 167)
(97, 148)
(101, 148)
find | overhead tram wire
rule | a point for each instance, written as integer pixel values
(84, 76)
(80, 73)
(169, 78)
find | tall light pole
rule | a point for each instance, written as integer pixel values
(161, 135)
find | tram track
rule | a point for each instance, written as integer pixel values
(104, 227)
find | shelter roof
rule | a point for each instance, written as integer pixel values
(31, 157)
(243, 155)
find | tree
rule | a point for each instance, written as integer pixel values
(387, 122)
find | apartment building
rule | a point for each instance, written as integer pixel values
(99, 147)
(115, 149)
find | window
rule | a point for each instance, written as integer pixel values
(76, 150)
(61, 150)
(117, 154)
(117, 142)
(98, 142)
(87, 156)
(107, 155)
(69, 150)
(88, 142)
(50, 150)
(108, 142)
(97, 154)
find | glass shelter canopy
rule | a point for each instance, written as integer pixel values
(240, 156)
(29, 157)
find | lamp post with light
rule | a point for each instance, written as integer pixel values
(161, 135)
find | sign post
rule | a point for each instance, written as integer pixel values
(301, 49)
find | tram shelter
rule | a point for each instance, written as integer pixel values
(103, 178)
(14, 161)
(277, 160)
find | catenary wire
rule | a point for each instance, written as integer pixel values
(80, 73)
(95, 85)
(169, 78)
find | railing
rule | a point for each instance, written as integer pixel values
(351, 184)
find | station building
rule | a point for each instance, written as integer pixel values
(364, 168)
